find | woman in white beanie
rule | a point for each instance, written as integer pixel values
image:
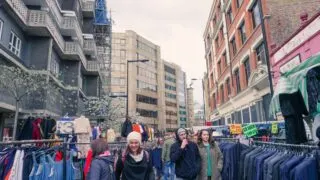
(134, 164)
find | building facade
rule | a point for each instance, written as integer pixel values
(175, 96)
(239, 89)
(144, 91)
(302, 45)
(54, 37)
(190, 107)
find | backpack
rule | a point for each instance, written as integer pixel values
(111, 174)
(124, 155)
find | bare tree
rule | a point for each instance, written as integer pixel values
(107, 108)
(18, 84)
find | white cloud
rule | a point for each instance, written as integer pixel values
(176, 26)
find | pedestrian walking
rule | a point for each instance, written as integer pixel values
(185, 155)
(102, 166)
(168, 166)
(156, 158)
(211, 157)
(134, 163)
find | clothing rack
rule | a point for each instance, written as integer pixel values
(286, 145)
(43, 141)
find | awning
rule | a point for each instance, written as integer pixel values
(292, 81)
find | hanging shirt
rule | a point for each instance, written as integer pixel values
(136, 128)
(209, 168)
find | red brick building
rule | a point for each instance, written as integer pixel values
(236, 58)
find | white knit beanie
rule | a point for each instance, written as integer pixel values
(134, 136)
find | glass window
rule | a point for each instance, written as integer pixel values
(237, 78)
(169, 70)
(228, 86)
(122, 54)
(242, 30)
(234, 46)
(246, 115)
(230, 15)
(146, 99)
(247, 69)
(147, 113)
(219, 68)
(261, 53)
(222, 94)
(15, 44)
(256, 15)
(122, 41)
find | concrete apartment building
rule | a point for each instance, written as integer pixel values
(145, 89)
(175, 96)
(55, 37)
(156, 88)
(236, 56)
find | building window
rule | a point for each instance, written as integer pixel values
(216, 42)
(219, 68)
(237, 79)
(146, 99)
(147, 113)
(233, 46)
(122, 54)
(122, 41)
(239, 3)
(1, 27)
(214, 101)
(228, 87)
(222, 93)
(224, 59)
(242, 30)
(168, 78)
(171, 104)
(214, 20)
(54, 65)
(146, 86)
(230, 15)
(247, 69)
(169, 70)
(261, 53)
(172, 96)
(15, 44)
(255, 15)
(172, 88)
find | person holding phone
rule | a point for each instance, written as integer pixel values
(185, 154)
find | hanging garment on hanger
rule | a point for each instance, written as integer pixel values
(126, 128)
(136, 128)
(82, 125)
(83, 132)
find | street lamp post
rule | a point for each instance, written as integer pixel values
(131, 61)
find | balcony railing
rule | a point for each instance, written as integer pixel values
(89, 46)
(20, 8)
(73, 48)
(93, 66)
(70, 23)
(88, 5)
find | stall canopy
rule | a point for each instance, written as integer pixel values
(293, 81)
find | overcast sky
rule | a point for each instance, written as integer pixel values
(177, 26)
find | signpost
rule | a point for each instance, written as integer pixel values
(250, 130)
(235, 129)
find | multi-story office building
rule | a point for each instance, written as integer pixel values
(237, 63)
(175, 96)
(54, 36)
(190, 107)
(156, 88)
(143, 77)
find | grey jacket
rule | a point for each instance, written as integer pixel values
(216, 159)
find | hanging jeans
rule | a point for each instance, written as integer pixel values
(169, 171)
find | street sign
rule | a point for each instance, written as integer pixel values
(250, 130)
(274, 128)
(235, 129)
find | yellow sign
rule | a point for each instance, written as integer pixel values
(274, 128)
(235, 129)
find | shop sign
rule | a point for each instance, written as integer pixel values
(235, 129)
(250, 130)
(65, 126)
(290, 64)
(274, 128)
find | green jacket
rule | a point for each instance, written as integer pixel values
(165, 156)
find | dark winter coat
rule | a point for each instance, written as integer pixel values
(128, 169)
(102, 168)
(126, 128)
(187, 160)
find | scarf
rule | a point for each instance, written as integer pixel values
(137, 158)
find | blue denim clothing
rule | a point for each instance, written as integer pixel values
(287, 166)
(168, 171)
(305, 170)
(231, 154)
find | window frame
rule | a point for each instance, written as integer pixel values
(234, 46)
(230, 15)
(255, 23)
(261, 48)
(228, 86)
(15, 47)
(1, 28)
(247, 69)
(243, 35)
(237, 79)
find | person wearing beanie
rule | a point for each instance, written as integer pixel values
(134, 163)
(185, 154)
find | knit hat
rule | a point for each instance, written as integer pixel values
(134, 136)
(181, 130)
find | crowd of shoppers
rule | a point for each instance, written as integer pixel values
(176, 157)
